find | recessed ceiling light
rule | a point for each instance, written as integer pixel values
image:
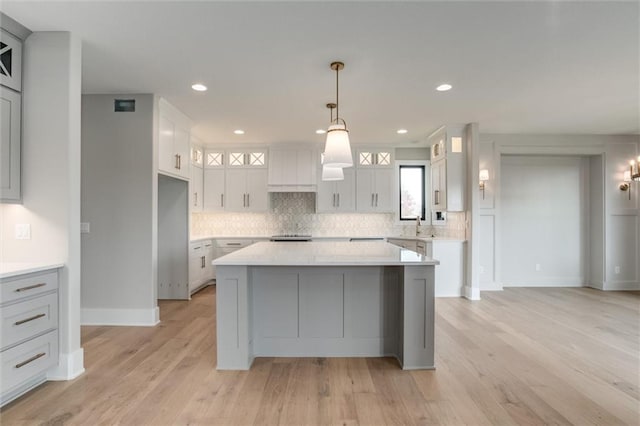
(239, 132)
(401, 131)
(444, 87)
(198, 87)
(320, 132)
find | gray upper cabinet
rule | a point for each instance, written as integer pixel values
(9, 146)
(10, 61)
(11, 116)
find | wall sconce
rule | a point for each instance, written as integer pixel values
(631, 176)
(484, 177)
(626, 185)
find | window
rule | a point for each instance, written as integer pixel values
(412, 199)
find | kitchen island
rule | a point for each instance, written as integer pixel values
(325, 299)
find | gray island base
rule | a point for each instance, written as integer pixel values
(325, 299)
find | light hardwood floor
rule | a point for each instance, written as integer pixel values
(521, 356)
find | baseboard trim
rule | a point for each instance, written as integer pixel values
(70, 366)
(621, 286)
(471, 293)
(120, 317)
(491, 286)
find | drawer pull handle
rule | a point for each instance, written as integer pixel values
(30, 360)
(35, 317)
(31, 287)
(233, 244)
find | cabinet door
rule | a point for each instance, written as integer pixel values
(306, 167)
(365, 193)
(11, 59)
(181, 150)
(196, 189)
(166, 158)
(326, 196)
(257, 196)
(282, 166)
(195, 265)
(236, 190)
(214, 190)
(383, 185)
(10, 145)
(209, 253)
(438, 186)
(345, 191)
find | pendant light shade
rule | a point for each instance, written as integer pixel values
(337, 149)
(332, 173)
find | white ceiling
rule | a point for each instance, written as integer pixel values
(516, 67)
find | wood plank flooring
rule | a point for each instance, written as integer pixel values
(521, 356)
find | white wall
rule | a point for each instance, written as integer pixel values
(617, 239)
(51, 178)
(543, 221)
(119, 201)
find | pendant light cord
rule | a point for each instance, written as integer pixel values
(337, 100)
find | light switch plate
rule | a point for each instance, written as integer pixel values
(85, 227)
(23, 231)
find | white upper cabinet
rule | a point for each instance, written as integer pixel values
(292, 169)
(213, 159)
(197, 156)
(246, 158)
(196, 181)
(374, 190)
(214, 190)
(10, 146)
(438, 185)
(173, 141)
(374, 180)
(448, 171)
(377, 158)
(196, 189)
(337, 196)
(246, 190)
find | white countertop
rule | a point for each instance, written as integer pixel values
(428, 239)
(324, 238)
(324, 253)
(8, 270)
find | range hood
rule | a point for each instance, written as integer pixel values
(292, 169)
(292, 188)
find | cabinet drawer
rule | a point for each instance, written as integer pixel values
(235, 244)
(29, 285)
(27, 360)
(23, 320)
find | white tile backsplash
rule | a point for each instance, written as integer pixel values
(294, 213)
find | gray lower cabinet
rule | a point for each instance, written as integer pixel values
(28, 331)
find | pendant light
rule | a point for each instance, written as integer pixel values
(331, 173)
(337, 150)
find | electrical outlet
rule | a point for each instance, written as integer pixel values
(538, 268)
(23, 231)
(617, 269)
(85, 227)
